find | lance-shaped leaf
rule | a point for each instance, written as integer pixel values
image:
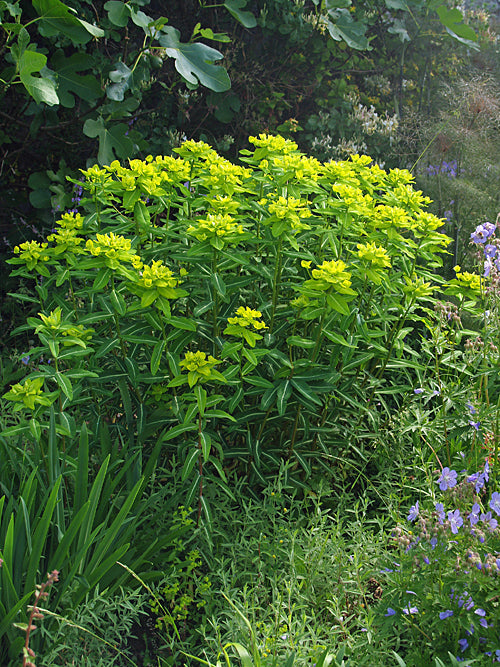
(70, 83)
(195, 61)
(57, 18)
(113, 141)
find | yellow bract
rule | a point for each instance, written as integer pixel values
(246, 317)
(375, 254)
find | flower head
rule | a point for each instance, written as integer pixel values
(455, 521)
(413, 512)
(448, 479)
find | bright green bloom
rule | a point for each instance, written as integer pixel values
(375, 254)
(199, 368)
(113, 250)
(157, 283)
(28, 394)
(274, 144)
(217, 228)
(331, 274)
(66, 240)
(240, 326)
(31, 253)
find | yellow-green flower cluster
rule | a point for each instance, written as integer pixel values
(300, 166)
(220, 174)
(332, 274)
(199, 150)
(247, 317)
(96, 174)
(384, 217)
(377, 255)
(66, 240)
(157, 283)
(274, 144)
(241, 325)
(200, 368)
(79, 333)
(71, 220)
(417, 288)
(28, 394)
(352, 197)
(31, 253)
(113, 250)
(471, 281)
(217, 228)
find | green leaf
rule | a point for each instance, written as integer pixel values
(338, 303)
(452, 19)
(305, 343)
(195, 61)
(189, 463)
(41, 89)
(118, 13)
(283, 394)
(181, 323)
(101, 279)
(113, 141)
(65, 385)
(172, 433)
(70, 83)
(235, 7)
(57, 18)
(156, 356)
(306, 391)
(118, 302)
(338, 339)
(206, 445)
(342, 26)
(218, 283)
(122, 80)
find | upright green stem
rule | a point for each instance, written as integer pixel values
(276, 282)
(200, 471)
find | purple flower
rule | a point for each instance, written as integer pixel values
(490, 250)
(495, 502)
(413, 512)
(487, 518)
(410, 610)
(464, 644)
(440, 510)
(445, 614)
(479, 235)
(418, 390)
(471, 408)
(390, 612)
(25, 360)
(455, 521)
(488, 265)
(474, 515)
(448, 479)
(476, 425)
(480, 612)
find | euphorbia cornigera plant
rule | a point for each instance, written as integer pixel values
(290, 287)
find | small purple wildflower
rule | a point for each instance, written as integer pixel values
(448, 479)
(471, 408)
(445, 614)
(25, 360)
(441, 514)
(464, 644)
(390, 612)
(413, 512)
(418, 390)
(410, 610)
(474, 515)
(476, 425)
(490, 250)
(495, 502)
(455, 521)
